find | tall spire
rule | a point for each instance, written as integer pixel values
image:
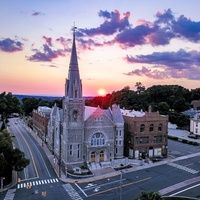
(73, 86)
(73, 60)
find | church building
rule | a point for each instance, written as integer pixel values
(79, 134)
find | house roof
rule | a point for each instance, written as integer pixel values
(132, 113)
(45, 110)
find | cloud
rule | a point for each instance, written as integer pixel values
(10, 46)
(112, 24)
(51, 65)
(154, 74)
(117, 29)
(187, 29)
(48, 40)
(47, 53)
(36, 13)
(180, 64)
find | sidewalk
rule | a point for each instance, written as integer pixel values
(173, 132)
(181, 134)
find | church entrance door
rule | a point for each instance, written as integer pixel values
(93, 157)
(101, 159)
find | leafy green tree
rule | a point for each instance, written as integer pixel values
(195, 94)
(150, 196)
(8, 104)
(10, 159)
(139, 87)
(29, 104)
(43, 103)
(57, 101)
(163, 108)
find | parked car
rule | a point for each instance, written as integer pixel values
(157, 158)
(193, 136)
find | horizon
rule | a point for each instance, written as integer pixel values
(122, 43)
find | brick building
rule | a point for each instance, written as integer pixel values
(40, 119)
(145, 134)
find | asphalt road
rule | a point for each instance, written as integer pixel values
(38, 180)
(129, 185)
(178, 178)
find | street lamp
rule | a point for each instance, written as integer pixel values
(2, 178)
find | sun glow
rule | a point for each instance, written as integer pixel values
(101, 92)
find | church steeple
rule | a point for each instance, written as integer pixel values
(73, 86)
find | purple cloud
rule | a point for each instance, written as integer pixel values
(10, 46)
(180, 64)
(47, 54)
(166, 17)
(154, 74)
(187, 29)
(112, 24)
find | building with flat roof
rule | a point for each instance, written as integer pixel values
(145, 134)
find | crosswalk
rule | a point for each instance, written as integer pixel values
(35, 183)
(72, 192)
(181, 167)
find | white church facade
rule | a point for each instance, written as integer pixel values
(79, 134)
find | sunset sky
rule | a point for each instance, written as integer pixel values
(119, 43)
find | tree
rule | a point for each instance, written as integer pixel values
(150, 196)
(8, 104)
(29, 104)
(163, 108)
(10, 159)
(140, 88)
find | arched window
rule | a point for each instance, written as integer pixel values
(151, 127)
(98, 139)
(142, 128)
(160, 127)
(74, 115)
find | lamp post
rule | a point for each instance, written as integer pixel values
(2, 178)
(120, 197)
(60, 151)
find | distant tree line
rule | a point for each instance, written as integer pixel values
(167, 99)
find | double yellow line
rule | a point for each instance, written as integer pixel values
(36, 171)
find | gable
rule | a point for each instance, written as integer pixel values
(99, 117)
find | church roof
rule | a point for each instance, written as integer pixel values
(113, 116)
(117, 114)
(61, 115)
(54, 110)
(88, 111)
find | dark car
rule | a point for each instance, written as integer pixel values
(157, 158)
(193, 136)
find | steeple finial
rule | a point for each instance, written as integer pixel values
(74, 29)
